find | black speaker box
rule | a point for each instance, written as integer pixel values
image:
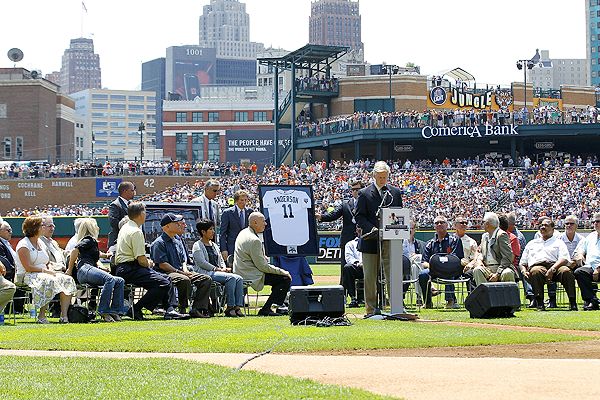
(493, 300)
(316, 302)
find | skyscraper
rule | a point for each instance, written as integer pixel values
(592, 33)
(225, 26)
(336, 23)
(80, 67)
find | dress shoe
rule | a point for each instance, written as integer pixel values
(239, 312)
(158, 311)
(107, 318)
(172, 314)
(267, 313)
(230, 312)
(591, 305)
(541, 307)
(573, 307)
(551, 303)
(116, 317)
(137, 316)
(198, 314)
(353, 304)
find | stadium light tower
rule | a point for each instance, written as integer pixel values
(390, 70)
(527, 65)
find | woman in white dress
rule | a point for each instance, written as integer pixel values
(33, 270)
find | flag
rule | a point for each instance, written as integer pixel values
(84, 7)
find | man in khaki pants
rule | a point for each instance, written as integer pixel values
(495, 261)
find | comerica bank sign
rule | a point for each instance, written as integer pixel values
(429, 132)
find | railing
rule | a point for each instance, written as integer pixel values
(285, 104)
(366, 121)
(312, 85)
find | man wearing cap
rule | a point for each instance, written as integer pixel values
(170, 257)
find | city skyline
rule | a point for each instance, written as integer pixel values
(485, 40)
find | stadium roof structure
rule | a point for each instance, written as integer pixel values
(307, 57)
(459, 73)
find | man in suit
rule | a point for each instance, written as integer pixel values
(7, 253)
(346, 211)
(233, 220)
(209, 208)
(496, 260)
(379, 193)
(251, 264)
(118, 209)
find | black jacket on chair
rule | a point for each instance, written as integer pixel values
(367, 206)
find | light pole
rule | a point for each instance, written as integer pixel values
(527, 65)
(141, 128)
(93, 143)
(389, 70)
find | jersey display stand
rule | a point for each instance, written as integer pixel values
(291, 224)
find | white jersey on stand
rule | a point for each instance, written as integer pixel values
(288, 216)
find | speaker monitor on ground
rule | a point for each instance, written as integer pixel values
(316, 302)
(493, 300)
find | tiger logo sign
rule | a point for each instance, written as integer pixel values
(504, 98)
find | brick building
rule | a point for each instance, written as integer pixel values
(36, 122)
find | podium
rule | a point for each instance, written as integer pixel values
(395, 228)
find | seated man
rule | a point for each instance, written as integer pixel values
(544, 260)
(169, 254)
(495, 262)
(250, 263)
(133, 265)
(441, 243)
(7, 289)
(588, 254)
(353, 270)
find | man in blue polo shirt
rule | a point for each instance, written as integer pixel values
(441, 243)
(170, 256)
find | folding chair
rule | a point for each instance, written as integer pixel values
(27, 297)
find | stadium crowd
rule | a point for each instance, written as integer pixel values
(552, 187)
(444, 118)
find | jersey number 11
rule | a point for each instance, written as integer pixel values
(285, 213)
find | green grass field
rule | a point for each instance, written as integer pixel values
(49, 377)
(256, 334)
(87, 378)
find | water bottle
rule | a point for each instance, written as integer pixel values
(32, 313)
(2, 319)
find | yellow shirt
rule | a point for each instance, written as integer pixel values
(130, 243)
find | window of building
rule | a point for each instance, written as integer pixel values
(197, 146)
(118, 97)
(99, 106)
(260, 116)
(117, 106)
(197, 116)
(98, 96)
(214, 148)
(19, 147)
(136, 98)
(181, 146)
(181, 117)
(241, 116)
(213, 116)
(136, 107)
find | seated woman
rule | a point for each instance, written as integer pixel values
(208, 260)
(33, 270)
(91, 272)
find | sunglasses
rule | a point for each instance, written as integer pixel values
(439, 222)
(569, 223)
(461, 222)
